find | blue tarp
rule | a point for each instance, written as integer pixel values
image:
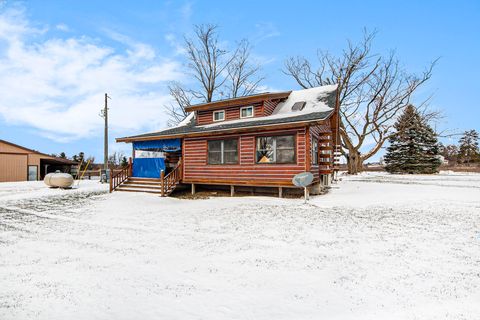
(164, 145)
(148, 167)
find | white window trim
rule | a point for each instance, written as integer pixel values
(222, 155)
(218, 111)
(248, 107)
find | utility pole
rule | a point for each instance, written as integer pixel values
(104, 115)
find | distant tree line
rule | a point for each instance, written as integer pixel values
(465, 152)
(115, 160)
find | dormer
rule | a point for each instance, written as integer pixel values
(253, 106)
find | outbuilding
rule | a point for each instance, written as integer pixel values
(18, 163)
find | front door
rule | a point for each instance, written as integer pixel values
(32, 173)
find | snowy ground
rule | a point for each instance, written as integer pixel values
(376, 247)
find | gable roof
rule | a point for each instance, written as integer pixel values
(319, 105)
(62, 160)
(238, 101)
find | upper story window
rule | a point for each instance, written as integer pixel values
(223, 151)
(219, 115)
(277, 149)
(246, 112)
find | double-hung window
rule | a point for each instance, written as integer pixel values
(246, 112)
(276, 149)
(314, 151)
(223, 151)
(219, 115)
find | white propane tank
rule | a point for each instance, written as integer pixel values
(58, 180)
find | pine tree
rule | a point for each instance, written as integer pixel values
(468, 150)
(124, 162)
(414, 149)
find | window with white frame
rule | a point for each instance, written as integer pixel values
(219, 115)
(277, 149)
(223, 151)
(314, 151)
(246, 112)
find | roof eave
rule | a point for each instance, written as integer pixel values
(223, 131)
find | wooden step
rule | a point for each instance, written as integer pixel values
(145, 183)
(141, 186)
(145, 179)
(137, 190)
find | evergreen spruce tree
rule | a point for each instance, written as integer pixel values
(414, 149)
(124, 162)
(468, 151)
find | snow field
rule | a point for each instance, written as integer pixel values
(376, 247)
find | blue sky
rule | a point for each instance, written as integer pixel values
(57, 58)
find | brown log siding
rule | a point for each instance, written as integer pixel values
(269, 106)
(247, 172)
(231, 113)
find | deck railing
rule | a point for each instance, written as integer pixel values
(171, 180)
(118, 178)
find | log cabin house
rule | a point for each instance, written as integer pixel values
(260, 140)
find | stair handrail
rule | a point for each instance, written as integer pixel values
(118, 178)
(172, 178)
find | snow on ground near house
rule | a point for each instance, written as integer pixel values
(376, 247)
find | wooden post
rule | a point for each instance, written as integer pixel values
(130, 168)
(193, 189)
(232, 191)
(111, 180)
(162, 176)
(280, 192)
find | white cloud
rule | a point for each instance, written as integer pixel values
(186, 10)
(62, 27)
(57, 85)
(265, 30)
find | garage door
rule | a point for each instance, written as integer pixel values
(13, 167)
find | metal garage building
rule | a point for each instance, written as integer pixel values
(18, 163)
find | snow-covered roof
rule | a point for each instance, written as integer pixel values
(316, 100)
(318, 103)
(187, 120)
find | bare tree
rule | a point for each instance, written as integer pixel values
(207, 61)
(216, 72)
(242, 79)
(373, 90)
(181, 99)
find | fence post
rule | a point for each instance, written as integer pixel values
(162, 176)
(130, 166)
(111, 180)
